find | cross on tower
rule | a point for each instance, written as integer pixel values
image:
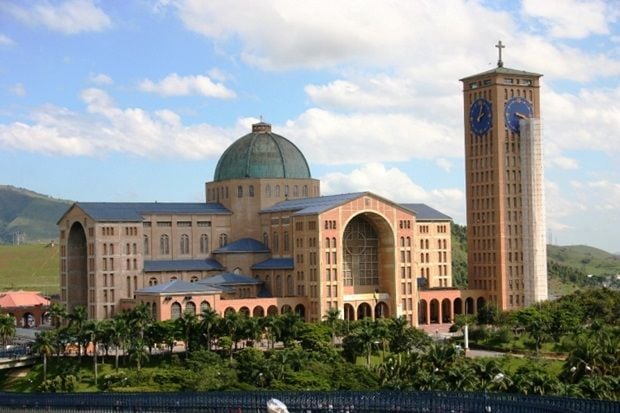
(500, 46)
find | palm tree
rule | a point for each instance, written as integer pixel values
(252, 329)
(208, 322)
(7, 328)
(57, 313)
(93, 332)
(44, 346)
(332, 318)
(366, 333)
(138, 319)
(230, 325)
(185, 325)
(289, 325)
(77, 319)
(119, 332)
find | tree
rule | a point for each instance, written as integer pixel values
(208, 322)
(536, 322)
(57, 313)
(119, 332)
(93, 333)
(77, 320)
(186, 325)
(289, 324)
(44, 346)
(138, 319)
(7, 328)
(332, 319)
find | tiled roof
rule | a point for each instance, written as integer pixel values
(275, 264)
(134, 211)
(315, 205)
(182, 265)
(11, 299)
(503, 71)
(228, 279)
(180, 287)
(425, 213)
(243, 245)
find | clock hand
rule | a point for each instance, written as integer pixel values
(520, 115)
(480, 114)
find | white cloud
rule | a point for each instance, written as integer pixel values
(395, 185)
(69, 17)
(6, 40)
(424, 40)
(107, 128)
(175, 85)
(573, 19)
(100, 79)
(444, 164)
(18, 89)
(332, 138)
(587, 120)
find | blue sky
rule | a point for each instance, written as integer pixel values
(136, 101)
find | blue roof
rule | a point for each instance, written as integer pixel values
(315, 205)
(134, 211)
(182, 265)
(180, 287)
(243, 245)
(229, 278)
(275, 264)
(425, 213)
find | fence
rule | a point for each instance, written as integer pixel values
(300, 402)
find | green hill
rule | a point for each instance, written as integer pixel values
(28, 217)
(29, 267)
(588, 260)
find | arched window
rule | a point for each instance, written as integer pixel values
(152, 281)
(184, 244)
(275, 242)
(334, 245)
(146, 245)
(175, 311)
(286, 241)
(251, 190)
(295, 191)
(361, 253)
(277, 191)
(223, 240)
(266, 239)
(268, 191)
(204, 244)
(164, 245)
(278, 286)
(327, 243)
(304, 191)
(204, 306)
(239, 191)
(190, 308)
(290, 288)
(285, 190)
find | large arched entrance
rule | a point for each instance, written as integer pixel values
(77, 269)
(368, 265)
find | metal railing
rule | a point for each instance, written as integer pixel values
(302, 402)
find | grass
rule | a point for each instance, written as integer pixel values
(590, 260)
(29, 267)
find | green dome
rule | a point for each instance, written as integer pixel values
(262, 154)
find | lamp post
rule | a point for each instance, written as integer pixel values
(466, 331)
(498, 378)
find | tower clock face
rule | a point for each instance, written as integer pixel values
(480, 116)
(516, 109)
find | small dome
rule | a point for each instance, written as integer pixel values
(262, 154)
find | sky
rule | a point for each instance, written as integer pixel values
(122, 101)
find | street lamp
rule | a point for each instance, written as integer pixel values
(498, 378)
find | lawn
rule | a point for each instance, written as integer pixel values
(29, 267)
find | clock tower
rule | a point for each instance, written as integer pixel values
(507, 253)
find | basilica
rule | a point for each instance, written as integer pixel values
(265, 242)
